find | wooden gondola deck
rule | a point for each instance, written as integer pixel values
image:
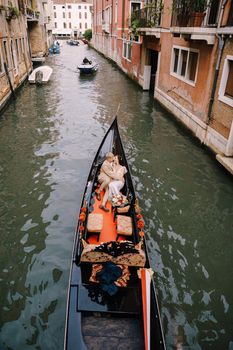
(104, 333)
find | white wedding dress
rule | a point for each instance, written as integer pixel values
(115, 186)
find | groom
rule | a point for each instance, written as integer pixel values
(105, 177)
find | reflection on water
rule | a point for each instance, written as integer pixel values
(48, 138)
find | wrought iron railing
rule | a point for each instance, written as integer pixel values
(147, 17)
(32, 15)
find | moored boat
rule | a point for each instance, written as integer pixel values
(40, 75)
(111, 296)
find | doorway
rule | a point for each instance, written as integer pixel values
(154, 64)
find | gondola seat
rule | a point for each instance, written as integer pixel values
(95, 223)
(124, 225)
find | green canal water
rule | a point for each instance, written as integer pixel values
(48, 139)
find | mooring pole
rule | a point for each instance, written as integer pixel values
(9, 79)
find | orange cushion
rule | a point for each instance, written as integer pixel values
(124, 225)
(95, 222)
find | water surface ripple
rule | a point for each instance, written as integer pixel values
(48, 138)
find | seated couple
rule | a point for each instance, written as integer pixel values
(111, 179)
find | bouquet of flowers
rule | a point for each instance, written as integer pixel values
(119, 200)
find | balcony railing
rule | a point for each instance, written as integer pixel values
(147, 17)
(189, 16)
(32, 16)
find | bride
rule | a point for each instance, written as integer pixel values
(116, 185)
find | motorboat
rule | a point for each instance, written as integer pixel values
(40, 75)
(73, 42)
(88, 67)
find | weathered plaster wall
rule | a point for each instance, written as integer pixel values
(222, 113)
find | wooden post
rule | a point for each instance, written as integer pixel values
(9, 80)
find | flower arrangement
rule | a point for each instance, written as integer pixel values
(82, 216)
(141, 224)
(119, 200)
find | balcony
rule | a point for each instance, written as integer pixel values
(32, 16)
(146, 21)
(196, 20)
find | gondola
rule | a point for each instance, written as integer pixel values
(111, 301)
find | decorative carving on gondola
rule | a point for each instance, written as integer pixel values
(115, 248)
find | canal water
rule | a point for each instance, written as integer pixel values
(48, 138)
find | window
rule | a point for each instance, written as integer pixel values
(1, 64)
(55, 24)
(80, 25)
(54, 7)
(13, 55)
(17, 49)
(85, 25)
(69, 14)
(5, 51)
(63, 7)
(69, 7)
(80, 15)
(64, 25)
(85, 15)
(116, 13)
(63, 14)
(69, 25)
(135, 6)
(226, 84)
(184, 64)
(79, 7)
(85, 7)
(55, 15)
(127, 50)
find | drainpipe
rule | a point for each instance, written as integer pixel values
(221, 43)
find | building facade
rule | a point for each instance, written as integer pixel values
(15, 58)
(23, 35)
(186, 60)
(72, 17)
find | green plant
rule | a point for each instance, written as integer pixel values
(148, 16)
(199, 5)
(186, 7)
(88, 34)
(14, 11)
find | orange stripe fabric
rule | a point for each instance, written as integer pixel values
(109, 232)
(144, 305)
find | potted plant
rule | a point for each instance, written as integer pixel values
(189, 9)
(198, 14)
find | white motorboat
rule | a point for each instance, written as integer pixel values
(40, 75)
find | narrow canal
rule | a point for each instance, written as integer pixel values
(48, 138)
